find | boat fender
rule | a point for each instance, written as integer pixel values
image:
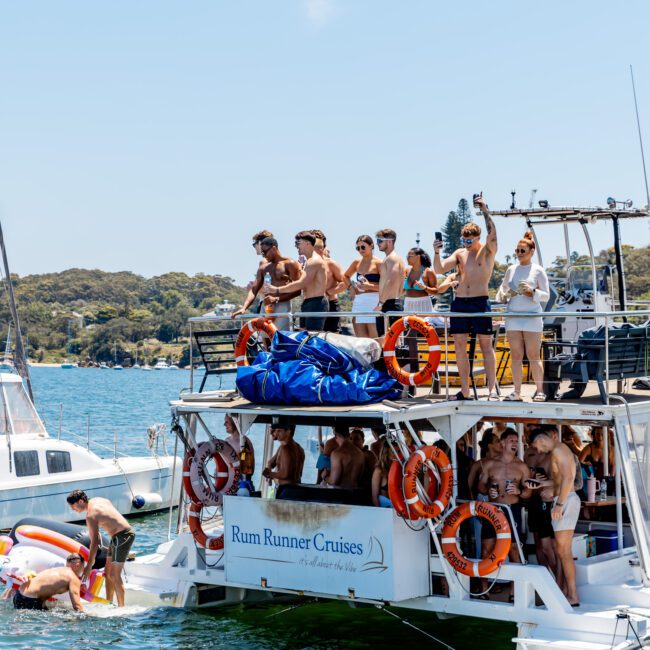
(495, 516)
(205, 492)
(212, 542)
(411, 472)
(247, 330)
(433, 342)
(51, 541)
(149, 499)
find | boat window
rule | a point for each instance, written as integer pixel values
(58, 461)
(23, 414)
(26, 463)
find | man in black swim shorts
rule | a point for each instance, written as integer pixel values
(475, 263)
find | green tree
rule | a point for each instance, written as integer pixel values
(456, 219)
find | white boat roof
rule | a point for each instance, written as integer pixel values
(588, 410)
(567, 214)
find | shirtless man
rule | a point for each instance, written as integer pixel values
(475, 262)
(334, 278)
(312, 283)
(391, 278)
(282, 270)
(566, 510)
(247, 457)
(101, 513)
(348, 461)
(286, 466)
(358, 439)
(34, 592)
(503, 479)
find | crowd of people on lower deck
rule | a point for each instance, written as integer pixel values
(541, 478)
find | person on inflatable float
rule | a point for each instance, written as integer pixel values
(36, 590)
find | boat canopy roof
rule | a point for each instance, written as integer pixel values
(17, 412)
(570, 214)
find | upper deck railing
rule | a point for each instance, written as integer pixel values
(614, 355)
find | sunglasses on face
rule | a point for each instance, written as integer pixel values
(256, 243)
(383, 239)
(298, 242)
(265, 250)
(468, 241)
(520, 251)
(361, 248)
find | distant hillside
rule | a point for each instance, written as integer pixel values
(96, 311)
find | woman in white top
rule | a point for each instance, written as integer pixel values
(525, 288)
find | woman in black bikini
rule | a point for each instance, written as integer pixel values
(593, 454)
(362, 279)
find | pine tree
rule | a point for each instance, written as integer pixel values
(456, 219)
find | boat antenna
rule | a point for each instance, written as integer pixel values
(512, 194)
(19, 357)
(638, 126)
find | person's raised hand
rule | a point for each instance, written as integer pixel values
(437, 245)
(480, 203)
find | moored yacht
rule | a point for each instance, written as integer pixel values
(161, 364)
(38, 471)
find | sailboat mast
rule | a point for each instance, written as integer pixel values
(20, 362)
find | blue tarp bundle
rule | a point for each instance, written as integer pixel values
(306, 370)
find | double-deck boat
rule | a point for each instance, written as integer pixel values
(310, 542)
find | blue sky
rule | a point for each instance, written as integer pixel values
(154, 136)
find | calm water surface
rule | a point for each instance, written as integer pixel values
(127, 402)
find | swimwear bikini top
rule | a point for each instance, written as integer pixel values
(407, 286)
(371, 277)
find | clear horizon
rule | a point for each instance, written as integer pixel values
(157, 137)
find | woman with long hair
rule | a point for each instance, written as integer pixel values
(420, 282)
(362, 279)
(525, 288)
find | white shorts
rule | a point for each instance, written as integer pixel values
(524, 324)
(570, 514)
(365, 302)
(421, 305)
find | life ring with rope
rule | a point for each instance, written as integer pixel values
(433, 343)
(198, 484)
(411, 472)
(211, 542)
(247, 330)
(396, 490)
(495, 516)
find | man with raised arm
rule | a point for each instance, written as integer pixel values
(101, 513)
(282, 270)
(312, 283)
(475, 263)
(37, 590)
(391, 278)
(566, 510)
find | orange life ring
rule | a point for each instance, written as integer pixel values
(257, 325)
(433, 360)
(212, 542)
(497, 557)
(220, 476)
(201, 489)
(411, 472)
(396, 491)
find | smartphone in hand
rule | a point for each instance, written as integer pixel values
(438, 236)
(475, 197)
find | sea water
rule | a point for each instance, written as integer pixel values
(100, 405)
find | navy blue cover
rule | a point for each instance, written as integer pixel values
(306, 370)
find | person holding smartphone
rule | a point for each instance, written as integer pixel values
(475, 262)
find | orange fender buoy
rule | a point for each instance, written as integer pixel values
(433, 360)
(492, 513)
(212, 542)
(247, 330)
(412, 470)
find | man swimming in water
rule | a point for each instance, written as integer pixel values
(35, 591)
